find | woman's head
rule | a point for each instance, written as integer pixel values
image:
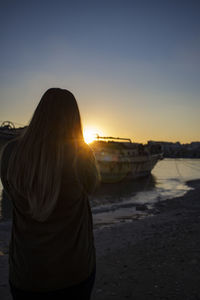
(56, 117)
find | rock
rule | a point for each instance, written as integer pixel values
(141, 207)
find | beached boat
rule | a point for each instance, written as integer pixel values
(120, 158)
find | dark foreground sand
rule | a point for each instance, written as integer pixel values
(154, 258)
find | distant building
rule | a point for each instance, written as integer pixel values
(177, 149)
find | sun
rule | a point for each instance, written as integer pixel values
(90, 134)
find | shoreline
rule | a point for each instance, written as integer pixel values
(157, 257)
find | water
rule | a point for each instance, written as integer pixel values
(128, 200)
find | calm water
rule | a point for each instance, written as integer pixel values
(125, 200)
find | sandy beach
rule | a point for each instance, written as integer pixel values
(157, 257)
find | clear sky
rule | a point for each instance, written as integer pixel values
(133, 66)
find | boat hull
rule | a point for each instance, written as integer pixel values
(136, 167)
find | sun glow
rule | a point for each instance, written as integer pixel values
(90, 134)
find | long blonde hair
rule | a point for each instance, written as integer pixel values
(35, 167)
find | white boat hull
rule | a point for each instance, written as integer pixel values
(113, 170)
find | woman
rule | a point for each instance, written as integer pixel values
(48, 173)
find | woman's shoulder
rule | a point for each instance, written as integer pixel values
(8, 148)
(5, 155)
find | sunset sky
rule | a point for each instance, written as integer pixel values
(133, 66)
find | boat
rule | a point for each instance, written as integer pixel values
(120, 158)
(117, 158)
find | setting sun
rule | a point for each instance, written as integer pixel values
(90, 134)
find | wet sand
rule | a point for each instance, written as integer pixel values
(154, 258)
(157, 257)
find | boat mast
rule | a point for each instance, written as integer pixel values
(112, 138)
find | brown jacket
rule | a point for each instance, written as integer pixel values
(59, 252)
